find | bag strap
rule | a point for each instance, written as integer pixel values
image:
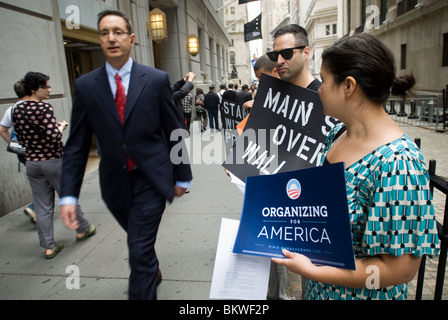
(340, 132)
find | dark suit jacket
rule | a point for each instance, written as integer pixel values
(242, 97)
(150, 118)
(211, 101)
(229, 95)
(180, 90)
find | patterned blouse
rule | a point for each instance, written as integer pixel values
(390, 213)
(37, 130)
(187, 103)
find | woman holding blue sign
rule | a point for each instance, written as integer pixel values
(392, 218)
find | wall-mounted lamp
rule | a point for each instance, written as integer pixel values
(193, 45)
(157, 26)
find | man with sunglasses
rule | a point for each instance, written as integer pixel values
(291, 54)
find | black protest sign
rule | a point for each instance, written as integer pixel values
(232, 115)
(286, 131)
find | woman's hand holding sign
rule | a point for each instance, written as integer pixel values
(295, 262)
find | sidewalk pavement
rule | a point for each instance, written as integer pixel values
(186, 244)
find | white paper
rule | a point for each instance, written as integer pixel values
(237, 276)
(237, 181)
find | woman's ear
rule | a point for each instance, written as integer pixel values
(349, 86)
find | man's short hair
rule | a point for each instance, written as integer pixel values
(299, 32)
(19, 88)
(109, 12)
(264, 63)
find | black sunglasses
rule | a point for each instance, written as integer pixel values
(285, 53)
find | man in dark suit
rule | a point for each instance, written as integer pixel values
(243, 96)
(130, 109)
(230, 94)
(211, 102)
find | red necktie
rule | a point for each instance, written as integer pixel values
(120, 101)
(120, 98)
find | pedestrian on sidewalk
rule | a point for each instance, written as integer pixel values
(5, 125)
(181, 90)
(39, 132)
(201, 112)
(130, 109)
(230, 93)
(211, 102)
(390, 203)
(243, 96)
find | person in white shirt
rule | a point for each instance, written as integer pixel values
(5, 126)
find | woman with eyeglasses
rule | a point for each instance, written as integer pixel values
(390, 204)
(37, 130)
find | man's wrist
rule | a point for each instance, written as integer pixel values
(68, 201)
(184, 184)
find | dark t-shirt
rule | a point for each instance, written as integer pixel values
(315, 85)
(211, 101)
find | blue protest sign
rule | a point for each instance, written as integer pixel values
(303, 211)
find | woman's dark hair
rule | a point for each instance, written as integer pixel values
(33, 81)
(117, 13)
(371, 63)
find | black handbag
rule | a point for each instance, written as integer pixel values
(200, 110)
(14, 146)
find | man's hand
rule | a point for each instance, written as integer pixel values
(178, 191)
(248, 105)
(190, 77)
(62, 126)
(68, 216)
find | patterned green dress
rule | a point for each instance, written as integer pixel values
(390, 213)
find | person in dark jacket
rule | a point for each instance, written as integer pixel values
(212, 105)
(180, 89)
(243, 96)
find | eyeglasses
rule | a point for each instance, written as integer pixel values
(117, 33)
(285, 53)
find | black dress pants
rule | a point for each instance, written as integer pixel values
(141, 224)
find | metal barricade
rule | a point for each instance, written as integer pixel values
(424, 110)
(442, 185)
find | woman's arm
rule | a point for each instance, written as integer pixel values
(4, 133)
(390, 270)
